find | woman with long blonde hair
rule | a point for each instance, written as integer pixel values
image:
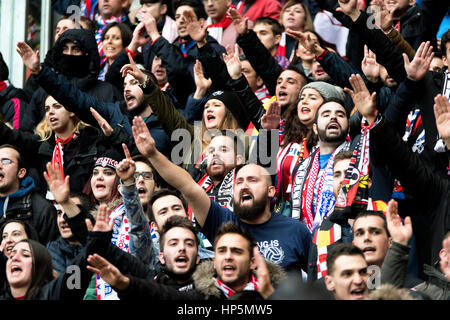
(61, 138)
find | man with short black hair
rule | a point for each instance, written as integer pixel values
(371, 235)
(268, 31)
(18, 200)
(312, 189)
(347, 272)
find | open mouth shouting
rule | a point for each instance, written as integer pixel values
(246, 197)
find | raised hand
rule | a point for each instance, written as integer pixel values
(107, 271)
(58, 185)
(400, 233)
(232, 61)
(349, 8)
(30, 58)
(271, 119)
(240, 23)
(139, 39)
(442, 115)
(197, 30)
(133, 70)
(365, 102)
(369, 65)
(265, 287)
(101, 223)
(417, 68)
(202, 84)
(385, 17)
(127, 167)
(150, 24)
(103, 124)
(143, 139)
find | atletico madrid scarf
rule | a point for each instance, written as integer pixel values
(224, 194)
(251, 286)
(121, 239)
(303, 188)
(58, 154)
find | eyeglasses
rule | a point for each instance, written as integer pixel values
(147, 175)
(6, 161)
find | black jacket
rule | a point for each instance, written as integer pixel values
(430, 211)
(421, 22)
(90, 144)
(85, 75)
(180, 69)
(64, 287)
(77, 101)
(260, 59)
(15, 109)
(37, 212)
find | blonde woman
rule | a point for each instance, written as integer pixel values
(61, 138)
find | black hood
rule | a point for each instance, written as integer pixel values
(85, 40)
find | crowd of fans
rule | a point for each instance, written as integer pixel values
(224, 149)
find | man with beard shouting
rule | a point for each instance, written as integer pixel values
(312, 186)
(281, 240)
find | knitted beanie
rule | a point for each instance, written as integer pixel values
(326, 90)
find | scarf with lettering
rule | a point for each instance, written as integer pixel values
(304, 180)
(224, 194)
(121, 239)
(215, 30)
(102, 23)
(58, 154)
(251, 286)
(353, 196)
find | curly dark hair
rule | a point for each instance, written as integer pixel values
(295, 130)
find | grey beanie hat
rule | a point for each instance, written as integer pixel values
(326, 90)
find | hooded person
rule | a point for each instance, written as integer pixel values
(75, 55)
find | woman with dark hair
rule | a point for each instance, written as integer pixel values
(297, 139)
(13, 231)
(115, 37)
(29, 275)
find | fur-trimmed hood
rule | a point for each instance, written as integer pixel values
(111, 206)
(205, 278)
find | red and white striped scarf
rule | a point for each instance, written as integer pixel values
(215, 30)
(251, 286)
(58, 154)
